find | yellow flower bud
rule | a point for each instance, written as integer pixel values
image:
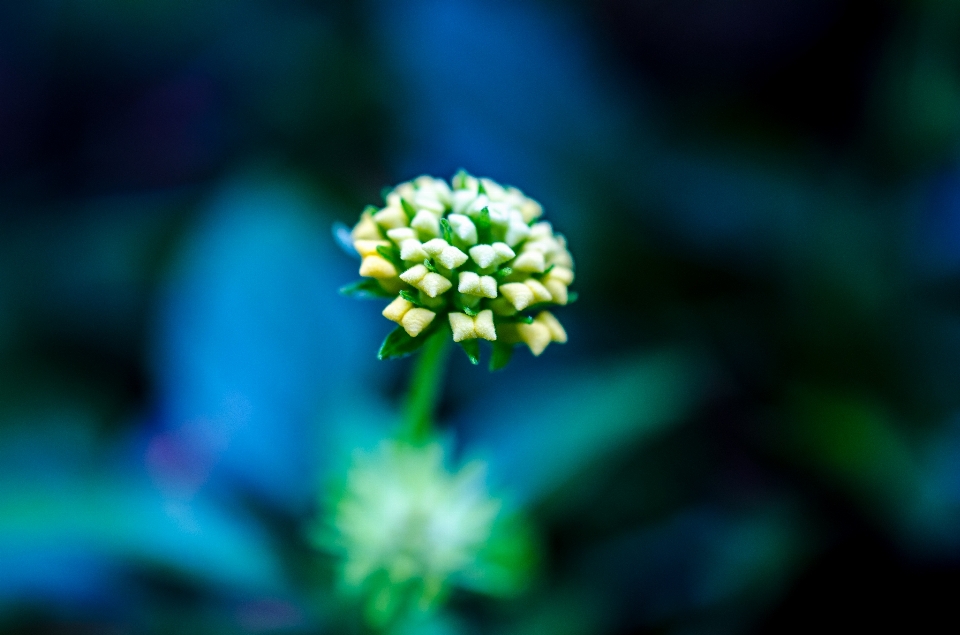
(416, 319)
(426, 223)
(369, 247)
(557, 290)
(536, 336)
(562, 274)
(366, 229)
(397, 309)
(412, 250)
(540, 292)
(401, 234)
(465, 327)
(519, 294)
(473, 284)
(531, 261)
(377, 267)
(557, 332)
(433, 284)
(391, 218)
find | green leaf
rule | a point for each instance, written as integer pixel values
(385, 192)
(480, 188)
(409, 297)
(390, 253)
(502, 273)
(365, 288)
(408, 209)
(446, 230)
(502, 354)
(371, 209)
(429, 265)
(472, 349)
(470, 312)
(572, 297)
(460, 179)
(483, 226)
(398, 344)
(547, 271)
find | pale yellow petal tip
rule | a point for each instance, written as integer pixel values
(536, 336)
(369, 247)
(401, 234)
(451, 257)
(433, 284)
(518, 294)
(435, 247)
(540, 292)
(484, 327)
(561, 274)
(558, 291)
(426, 223)
(416, 320)
(414, 274)
(377, 267)
(397, 309)
(391, 218)
(557, 333)
(530, 261)
(465, 327)
(462, 326)
(366, 229)
(476, 285)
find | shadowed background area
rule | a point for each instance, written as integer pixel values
(755, 425)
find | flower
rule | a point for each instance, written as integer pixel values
(406, 529)
(472, 253)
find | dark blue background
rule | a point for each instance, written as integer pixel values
(754, 428)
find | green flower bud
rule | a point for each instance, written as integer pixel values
(476, 237)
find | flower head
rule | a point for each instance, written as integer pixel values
(471, 254)
(407, 529)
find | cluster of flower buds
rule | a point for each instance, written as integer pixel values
(471, 253)
(408, 530)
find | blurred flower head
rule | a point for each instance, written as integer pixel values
(471, 253)
(406, 530)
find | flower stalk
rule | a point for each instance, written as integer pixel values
(426, 388)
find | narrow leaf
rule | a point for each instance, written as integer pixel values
(446, 230)
(409, 297)
(460, 179)
(429, 265)
(398, 344)
(470, 312)
(365, 288)
(409, 209)
(502, 354)
(502, 273)
(472, 349)
(483, 225)
(390, 253)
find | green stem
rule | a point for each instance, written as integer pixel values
(425, 387)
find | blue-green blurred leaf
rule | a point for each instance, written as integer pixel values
(543, 430)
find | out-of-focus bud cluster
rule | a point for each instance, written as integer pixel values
(471, 253)
(407, 531)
